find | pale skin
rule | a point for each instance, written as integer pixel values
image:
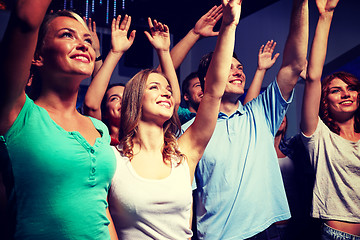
(293, 63)
(203, 28)
(265, 61)
(342, 98)
(148, 161)
(95, 44)
(159, 37)
(120, 43)
(65, 59)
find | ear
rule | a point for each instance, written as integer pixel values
(186, 97)
(37, 60)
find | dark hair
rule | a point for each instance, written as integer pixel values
(35, 88)
(104, 100)
(204, 65)
(324, 112)
(131, 111)
(186, 83)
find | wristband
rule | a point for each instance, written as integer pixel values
(98, 58)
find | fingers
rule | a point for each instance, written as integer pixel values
(261, 49)
(156, 26)
(269, 46)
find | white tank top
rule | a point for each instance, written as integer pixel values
(148, 208)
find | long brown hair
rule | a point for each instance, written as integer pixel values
(324, 112)
(131, 111)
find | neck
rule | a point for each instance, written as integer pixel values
(228, 105)
(150, 137)
(56, 102)
(347, 130)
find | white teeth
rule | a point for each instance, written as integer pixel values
(81, 58)
(237, 82)
(165, 104)
(346, 102)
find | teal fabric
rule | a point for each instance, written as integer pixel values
(185, 114)
(57, 181)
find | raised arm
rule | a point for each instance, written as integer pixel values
(159, 37)
(95, 45)
(193, 142)
(203, 28)
(312, 92)
(120, 43)
(265, 61)
(17, 52)
(294, 56)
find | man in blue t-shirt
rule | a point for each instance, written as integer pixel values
(239, 190)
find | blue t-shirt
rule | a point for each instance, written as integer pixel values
(57, 182)
(239, 186)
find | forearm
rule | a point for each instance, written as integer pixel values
(98, 85)
(319, 47)
(255, 87)
(221, 61)
(168, 69)
(182, 48)
(294, 57)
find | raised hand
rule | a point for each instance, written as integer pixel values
(326, 5)
(120, 42)
(231, 11)
(94, 36)
(265, 58)
(159, 35)
(205, 25)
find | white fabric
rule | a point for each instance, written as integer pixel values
(336, 162)
(147, 208)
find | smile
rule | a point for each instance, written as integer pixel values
(236, 81)
(346, 102)
(82, 58)
(165, 104)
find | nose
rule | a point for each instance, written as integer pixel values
(345, 94)
(166, 93)
(82, 45)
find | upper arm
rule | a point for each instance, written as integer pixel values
(17, 51)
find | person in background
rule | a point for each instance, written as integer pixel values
(330, 126)
(102, 101)
(151, 159)
(239, 168)
(56, 164)
(192, 94)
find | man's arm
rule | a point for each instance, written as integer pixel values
(294, 56)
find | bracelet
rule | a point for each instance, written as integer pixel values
(98, 58)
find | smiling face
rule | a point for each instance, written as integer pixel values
(66, 49)
(342, 98)
(113, 99)
(194, 93)
(236, 79)
(157, 101)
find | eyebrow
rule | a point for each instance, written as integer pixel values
(73, 31)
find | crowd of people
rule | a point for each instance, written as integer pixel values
(134, 164)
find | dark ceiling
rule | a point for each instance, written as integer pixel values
(180, 16)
